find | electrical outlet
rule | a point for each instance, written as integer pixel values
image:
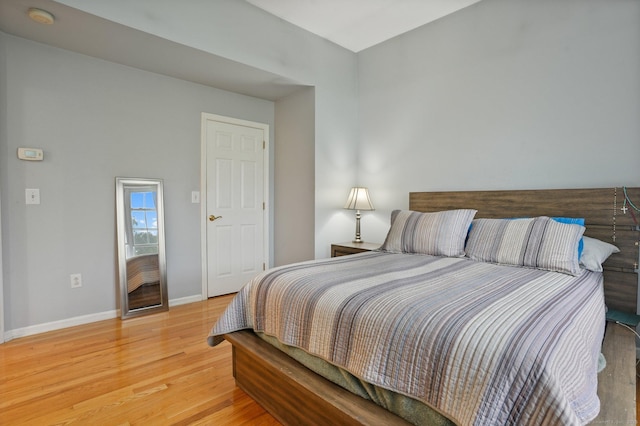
(76, 280)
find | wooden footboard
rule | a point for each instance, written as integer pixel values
(295, 395)
(292, 393)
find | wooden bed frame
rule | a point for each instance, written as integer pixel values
(295, 395)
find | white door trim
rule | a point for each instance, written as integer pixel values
(203, 189)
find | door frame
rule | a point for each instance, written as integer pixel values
(203, 190)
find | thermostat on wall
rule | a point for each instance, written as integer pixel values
(31, 154)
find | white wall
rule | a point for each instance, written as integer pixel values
(3, 175)
(504, 94)
(294, 178)
(241, 32)
(96, 120)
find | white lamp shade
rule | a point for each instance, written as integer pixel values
(359, 199)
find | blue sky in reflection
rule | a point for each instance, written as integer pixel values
(144, 214)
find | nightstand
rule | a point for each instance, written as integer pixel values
(343, 249)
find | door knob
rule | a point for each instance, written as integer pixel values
(212, 218)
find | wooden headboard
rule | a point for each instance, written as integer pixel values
(603, 209)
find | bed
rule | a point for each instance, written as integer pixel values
(445, 361)
(142, 270)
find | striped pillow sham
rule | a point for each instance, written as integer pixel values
(439, 234)
(539, 242)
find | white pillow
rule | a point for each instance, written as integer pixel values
(595, 253)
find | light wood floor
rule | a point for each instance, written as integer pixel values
(154, 370)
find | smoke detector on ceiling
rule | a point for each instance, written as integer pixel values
(40, 16)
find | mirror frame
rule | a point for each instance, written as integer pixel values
(125, 311)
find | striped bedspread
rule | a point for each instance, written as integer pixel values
(142, 270)
(480, 343)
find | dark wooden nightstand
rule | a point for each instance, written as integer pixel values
(343, 249)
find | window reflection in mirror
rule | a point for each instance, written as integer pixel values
(141, 258)
(142, 232)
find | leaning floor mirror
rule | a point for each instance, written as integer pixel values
(140, 239)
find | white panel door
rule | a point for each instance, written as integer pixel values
(235, 209)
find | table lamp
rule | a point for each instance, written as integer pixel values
(358, 200)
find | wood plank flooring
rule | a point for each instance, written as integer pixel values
(154, 370)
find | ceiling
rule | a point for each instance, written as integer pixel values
(120, 44)
(359, 24)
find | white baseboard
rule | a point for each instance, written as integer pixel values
(84, 319)
(57, 325)
(185, 300)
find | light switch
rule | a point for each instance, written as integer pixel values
(195, 197)
(32, 196)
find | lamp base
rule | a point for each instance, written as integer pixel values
(357, 239)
